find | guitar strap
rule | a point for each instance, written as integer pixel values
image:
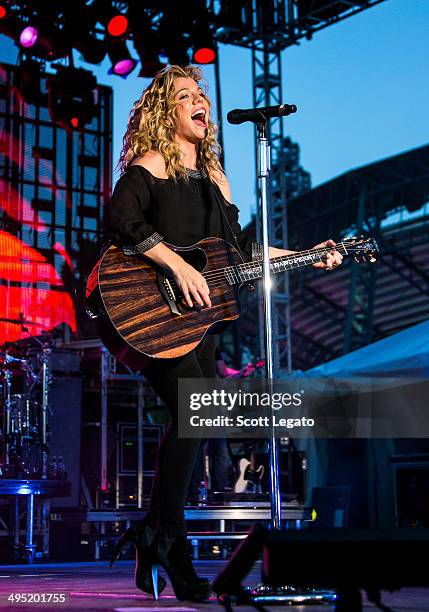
(214, 196)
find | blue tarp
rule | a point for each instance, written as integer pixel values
(405, 354)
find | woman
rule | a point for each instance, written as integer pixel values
(173, 189)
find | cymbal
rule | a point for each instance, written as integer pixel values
(18, 321)
(11, 358)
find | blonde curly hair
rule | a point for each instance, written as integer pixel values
(151, 126)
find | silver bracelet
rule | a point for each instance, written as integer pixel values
(144, 245)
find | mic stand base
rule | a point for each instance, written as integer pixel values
(265, 595)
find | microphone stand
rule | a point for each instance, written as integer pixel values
(265, 594)
(264, 169)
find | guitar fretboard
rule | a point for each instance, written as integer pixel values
(253, 270)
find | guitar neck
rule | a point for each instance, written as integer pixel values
(253, 270)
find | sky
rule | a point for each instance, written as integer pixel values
(361, 88)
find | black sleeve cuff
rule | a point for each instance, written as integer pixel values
(144, 245)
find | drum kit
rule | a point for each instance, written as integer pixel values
(24, 404)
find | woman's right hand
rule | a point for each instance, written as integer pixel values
(192, 284)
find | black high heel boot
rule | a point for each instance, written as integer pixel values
(142, 536)
(173, 555)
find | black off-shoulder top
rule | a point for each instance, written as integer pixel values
(145, 210)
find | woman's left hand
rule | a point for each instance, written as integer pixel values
(333, 257)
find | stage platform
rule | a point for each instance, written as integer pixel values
(94, 586)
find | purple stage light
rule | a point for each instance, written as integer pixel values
(121, 61)
(123, 67)
(29, 36)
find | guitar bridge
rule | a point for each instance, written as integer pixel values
(168, 293)
(169, 288)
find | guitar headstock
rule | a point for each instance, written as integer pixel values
(364, 250)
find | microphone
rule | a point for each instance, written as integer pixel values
(261, 114)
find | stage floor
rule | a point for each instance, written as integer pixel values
(94, 586)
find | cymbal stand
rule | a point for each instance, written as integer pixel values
(45, 359)
(7, 413)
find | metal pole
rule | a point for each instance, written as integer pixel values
(140, 442)
(354, 278)
(29, 547)
(263, 177)
(7, 415)
(46, 351)
(46, 508)
(219, 105)
(103, 433)
(17, 534)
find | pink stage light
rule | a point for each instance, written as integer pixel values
(123, 67)
(29, 36)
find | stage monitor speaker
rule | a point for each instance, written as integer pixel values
(65, 401)
(339, 559)
(331, 505)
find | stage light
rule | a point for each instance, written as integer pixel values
(176, 52)
(122, 62)
(115, 22)
(26, 81)
(203, 43)
(9, 25)
(150, 63)
(123, 66)
(147, 42)
(117, 25)
(204, 55)
(28, 37)
(46, 43)
(71, 97)
(92, 49)
(236, 15)
(174, 28)
(148, 46)
(80, 29)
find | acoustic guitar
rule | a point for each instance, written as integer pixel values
(141, 314)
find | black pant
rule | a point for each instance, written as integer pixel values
(220, 470)
(176, 456)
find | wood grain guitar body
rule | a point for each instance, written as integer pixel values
(141, 315)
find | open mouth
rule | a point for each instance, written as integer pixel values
(199, 117)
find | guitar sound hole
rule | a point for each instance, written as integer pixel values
(196, 258)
